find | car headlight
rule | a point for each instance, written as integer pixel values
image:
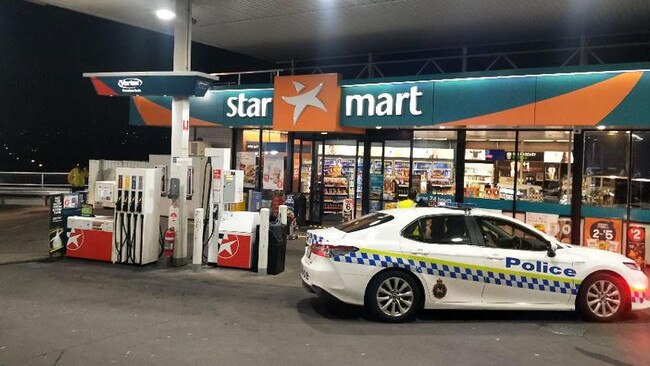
(632, 265)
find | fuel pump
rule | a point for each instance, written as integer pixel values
(137, 216)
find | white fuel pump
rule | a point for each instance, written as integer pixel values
(227, 186)
(136, 235)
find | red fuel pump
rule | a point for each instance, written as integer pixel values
(170, 237)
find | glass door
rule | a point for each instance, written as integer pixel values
(339, 176)
(396, 171)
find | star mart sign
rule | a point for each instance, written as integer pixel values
(349, 106)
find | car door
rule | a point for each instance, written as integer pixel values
(444, 250)
(519, 268)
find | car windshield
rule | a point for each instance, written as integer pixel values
(365, 222)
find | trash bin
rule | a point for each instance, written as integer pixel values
(277, 249)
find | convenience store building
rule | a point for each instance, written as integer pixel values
(564, 149)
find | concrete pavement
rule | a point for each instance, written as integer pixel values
(76, 312)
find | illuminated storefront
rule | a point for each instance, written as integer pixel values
(561, 149)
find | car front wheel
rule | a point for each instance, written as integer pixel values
(393, 296)
(603, 298)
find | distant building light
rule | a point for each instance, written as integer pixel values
(165, 14)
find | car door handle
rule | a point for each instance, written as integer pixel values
(419, 252)
(494, 257)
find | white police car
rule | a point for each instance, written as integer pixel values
(396, 262)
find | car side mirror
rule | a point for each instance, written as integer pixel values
(550, 249)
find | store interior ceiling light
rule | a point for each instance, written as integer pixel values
(562, 140)
(476, 140)
(538, 140)
(165, 14)
(502, 140)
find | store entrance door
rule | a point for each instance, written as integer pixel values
(390, 176)
(330, 175)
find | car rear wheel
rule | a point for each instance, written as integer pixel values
(603, 298)
(393, 296)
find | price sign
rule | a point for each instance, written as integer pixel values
(348, 203)
(603, 233)
(602, 230)
(636, 234)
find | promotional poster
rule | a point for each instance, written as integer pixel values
(603, 234)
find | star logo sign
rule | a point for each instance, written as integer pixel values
(302, 101)
(75, 239)
(229, 246)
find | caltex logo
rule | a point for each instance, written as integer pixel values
(75, 239)
(229, 246)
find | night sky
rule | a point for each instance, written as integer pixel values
(50, 116)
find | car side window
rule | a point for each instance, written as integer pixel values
(439, 230)
(506, 235)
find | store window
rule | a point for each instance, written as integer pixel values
(248, 155)
(376, 176)
(544, 166)
(274, 148)
(489, 172)
(358, 208)
(433, 164)
(640, 185)
(339, 167)
(606, 156)
(306, 155)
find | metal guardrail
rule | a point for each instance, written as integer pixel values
(35, 180)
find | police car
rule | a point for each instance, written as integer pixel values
(396, 262)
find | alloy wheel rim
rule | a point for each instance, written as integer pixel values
(395, 297)
(603, 298)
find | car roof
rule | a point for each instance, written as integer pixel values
(415, 212)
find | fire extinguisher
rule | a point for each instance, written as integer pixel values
(170, 237)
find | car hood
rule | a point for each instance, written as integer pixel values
(594, 254)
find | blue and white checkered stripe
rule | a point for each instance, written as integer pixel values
(458, 272)
(314, 239)
(638, 296)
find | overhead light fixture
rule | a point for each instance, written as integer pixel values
(323, 133)
(442, 127)
(601, 127)
(165, 14)
(378, 127)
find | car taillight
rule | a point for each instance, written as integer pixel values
(328, 251)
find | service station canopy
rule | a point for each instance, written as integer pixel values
(612, 95)
(152, 83)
